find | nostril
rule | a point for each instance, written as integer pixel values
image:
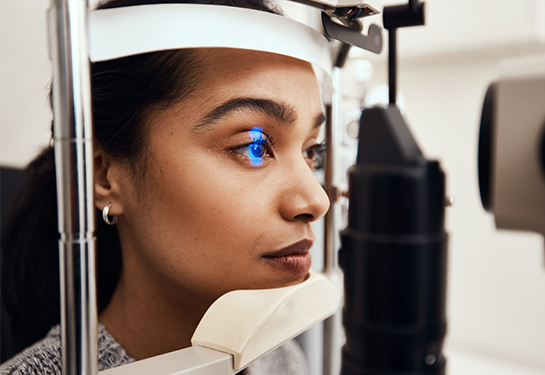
(307, 218)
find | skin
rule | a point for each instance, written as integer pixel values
(202, 219)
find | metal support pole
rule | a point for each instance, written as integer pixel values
(74, 172)
(331, 180)
(332, 326)
(392, 62)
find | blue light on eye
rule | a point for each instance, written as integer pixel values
(257, 148)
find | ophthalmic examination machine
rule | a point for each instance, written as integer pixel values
(393, 252)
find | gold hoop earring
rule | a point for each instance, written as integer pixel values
(105, 217)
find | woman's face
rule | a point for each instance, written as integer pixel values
(229, 194)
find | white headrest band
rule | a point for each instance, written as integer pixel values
(121, 32)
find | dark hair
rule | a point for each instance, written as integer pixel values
(124, 92)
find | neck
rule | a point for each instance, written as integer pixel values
(148, 318)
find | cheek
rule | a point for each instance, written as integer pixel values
(204, 216)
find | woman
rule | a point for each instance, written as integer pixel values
(204, 165)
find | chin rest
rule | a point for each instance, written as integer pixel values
(251, 323)
(242, 326)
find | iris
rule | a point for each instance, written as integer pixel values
(256, 149)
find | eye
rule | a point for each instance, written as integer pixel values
(260, 147)
(314, 155)
(256, 151)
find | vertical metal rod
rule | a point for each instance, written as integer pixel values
(331, 180)
(74, 172)
(392, 64)
(332, 326)
(329, 224)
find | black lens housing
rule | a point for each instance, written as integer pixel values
(394, 254)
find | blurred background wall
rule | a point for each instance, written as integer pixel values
(496, 295)
(25, 76)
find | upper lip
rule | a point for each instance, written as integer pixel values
(298, 248)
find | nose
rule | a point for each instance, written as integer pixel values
(303, 197)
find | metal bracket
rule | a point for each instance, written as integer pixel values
(333, 8)
(370, 42)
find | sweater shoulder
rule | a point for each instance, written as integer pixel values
(44, 357)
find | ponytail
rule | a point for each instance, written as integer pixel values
(30, 264)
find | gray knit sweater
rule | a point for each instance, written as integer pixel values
(44, 358)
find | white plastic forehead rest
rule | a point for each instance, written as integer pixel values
(126, 31)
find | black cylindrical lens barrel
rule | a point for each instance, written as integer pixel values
(394, 255)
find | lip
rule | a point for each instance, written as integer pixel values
(294, 258)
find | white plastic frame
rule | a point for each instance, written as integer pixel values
(121, 32)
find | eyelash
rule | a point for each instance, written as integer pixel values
(315, 161)
(265, 139)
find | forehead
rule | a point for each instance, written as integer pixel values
(231, 75)
(216, 57)
(233, 72)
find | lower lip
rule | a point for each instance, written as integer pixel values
(297, 264)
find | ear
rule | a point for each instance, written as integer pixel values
(107, 183)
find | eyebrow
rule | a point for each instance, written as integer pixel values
(320, 119)
(279, 111)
